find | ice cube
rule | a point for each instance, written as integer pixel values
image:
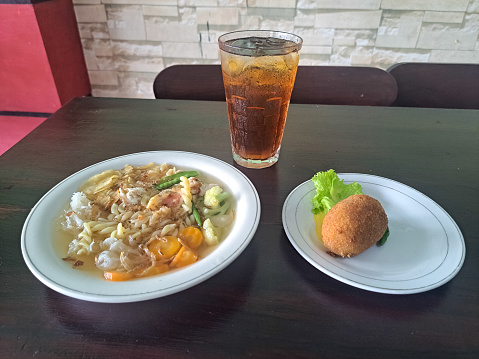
(232, 65)
(291, 60)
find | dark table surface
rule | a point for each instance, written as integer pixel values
(269, 302)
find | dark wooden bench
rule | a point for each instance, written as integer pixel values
(329, 85)
(344, 85)
(190, 82)
(437, 85)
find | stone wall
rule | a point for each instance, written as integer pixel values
(128, 42)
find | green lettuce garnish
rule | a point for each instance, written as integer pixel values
(330, 190)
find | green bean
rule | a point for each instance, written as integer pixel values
(196, 214)
(384, 238)
(167, 184)
(169, 181)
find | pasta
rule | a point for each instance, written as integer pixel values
(134, 229)
(186, 193)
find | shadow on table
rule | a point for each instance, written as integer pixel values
(332, 293)
(178, 316)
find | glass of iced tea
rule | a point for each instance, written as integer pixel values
(259, 69)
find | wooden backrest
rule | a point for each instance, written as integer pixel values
(330, 85)
(190, 82)
(437, 85)
(344, 85)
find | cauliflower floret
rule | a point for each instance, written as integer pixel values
(215, 202)
(211, 197)
(211, 233)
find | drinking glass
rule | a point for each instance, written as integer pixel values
(259, 68)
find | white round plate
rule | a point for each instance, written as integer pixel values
(46, 264)
(425, 248)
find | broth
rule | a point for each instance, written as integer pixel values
(63, 238)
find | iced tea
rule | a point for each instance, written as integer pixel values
(258, 74)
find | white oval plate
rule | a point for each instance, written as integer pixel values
(46, 264)
(425, 248)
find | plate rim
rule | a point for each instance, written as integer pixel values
(157, 292)
(451, 274)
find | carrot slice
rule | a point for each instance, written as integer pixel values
(177, 257)
(118, 276)
(140, 272)
(164, 247)
(187, 258)
(154, 270)
(192, 236)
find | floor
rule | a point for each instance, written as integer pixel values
(14, 128)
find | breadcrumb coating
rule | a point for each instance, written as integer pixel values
(354, 225)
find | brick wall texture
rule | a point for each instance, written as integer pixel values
(128, 42)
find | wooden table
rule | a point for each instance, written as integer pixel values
(269, 302)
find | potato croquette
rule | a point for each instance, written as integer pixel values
(354, 225)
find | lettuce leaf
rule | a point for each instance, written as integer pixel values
(330, 190)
